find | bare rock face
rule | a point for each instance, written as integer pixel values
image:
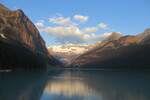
(144, 36)
(127, 40)
(16, 26)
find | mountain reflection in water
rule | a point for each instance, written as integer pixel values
(75, 85)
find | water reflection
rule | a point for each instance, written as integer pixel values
(98, 85)
(22, 85)
(69, 87)
(75, 85)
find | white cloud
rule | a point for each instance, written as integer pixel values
(81, 18)
(69, 31)
(90, 29)
(102, 25)
(40, 23)
(72, 34)
(61, 21)
(15, 8)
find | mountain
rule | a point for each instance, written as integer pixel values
(127, 40)
(20, 42)
(124, 52)
(3, 8)
(68, 52)
(15, 25)
(112, 37)
(144, 36)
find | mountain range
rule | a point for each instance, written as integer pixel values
(21, 46)
(118, 51)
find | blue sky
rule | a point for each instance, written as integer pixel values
(129, 17)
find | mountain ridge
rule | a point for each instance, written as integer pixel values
(116, 54)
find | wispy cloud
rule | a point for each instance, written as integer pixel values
(61, 21)
(90, 29)
(15, 8)
(40, 23)
(81, 18)
(102, 25)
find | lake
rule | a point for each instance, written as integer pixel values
(75, 85)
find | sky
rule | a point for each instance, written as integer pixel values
(84, 21)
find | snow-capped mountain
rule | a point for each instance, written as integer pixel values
(68, 52)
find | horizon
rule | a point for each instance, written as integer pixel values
(79, 22)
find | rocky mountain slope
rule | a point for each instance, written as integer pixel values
(124, 52)
(112, 37)
(15, 25)
(144, 36)
(20, 42)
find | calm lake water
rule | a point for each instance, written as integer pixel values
(75, 85)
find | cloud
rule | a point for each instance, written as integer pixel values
(90, 29)
(81, 18)
(94, 29)
(61, 21)
(69, 32)
(40, 23)
(15, 8)
(102, 25)
(72, 34)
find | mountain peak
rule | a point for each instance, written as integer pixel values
(3, 8)
(115, 33)
(112, 37)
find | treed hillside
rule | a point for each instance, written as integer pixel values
(16, 56)
(126, 57)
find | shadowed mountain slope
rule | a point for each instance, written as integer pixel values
(124, 52)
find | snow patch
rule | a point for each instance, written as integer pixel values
(2, 35)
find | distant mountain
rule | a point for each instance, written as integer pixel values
(144, 36)
(121, 52)
(112, 37)
(21, 41)
(127, 40)
(68, 52)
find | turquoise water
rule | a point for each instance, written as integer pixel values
(75, 85)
